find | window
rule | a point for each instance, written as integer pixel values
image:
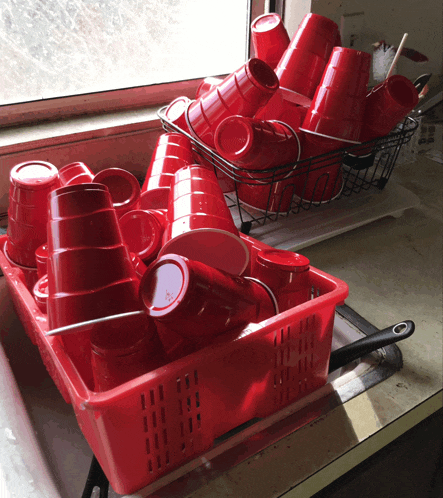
(52, 49)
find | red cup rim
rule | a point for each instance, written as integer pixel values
(317, 203)
(269, 291)
(295, 97)
(13, 263)
(179, 281)
(236, 258)
(175, 102)
(126, 175)
(80, 186)
(269, 82)
(36, 184)
(283, 260)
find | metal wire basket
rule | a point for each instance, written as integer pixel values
(361, 167)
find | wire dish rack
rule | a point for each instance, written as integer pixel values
(300, 185)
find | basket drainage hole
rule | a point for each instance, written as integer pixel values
(400, 328)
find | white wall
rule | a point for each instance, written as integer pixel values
(388, 20)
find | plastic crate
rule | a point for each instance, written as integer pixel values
(159, 421)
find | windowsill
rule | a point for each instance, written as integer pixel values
(43, 134)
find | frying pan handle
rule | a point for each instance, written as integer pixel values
(357, 349)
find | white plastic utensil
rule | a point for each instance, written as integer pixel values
(397, 55)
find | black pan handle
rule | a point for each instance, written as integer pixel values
(357, 349)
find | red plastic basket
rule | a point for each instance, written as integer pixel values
(155, 423)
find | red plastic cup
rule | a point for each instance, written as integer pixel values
(386, 105)
(123, 187)
(41, 258)
(199, 301)
(90, 272)
(123, 350)
(143, 231)
(281, 108)
(172, 152)
(320, 179)
(243, 92)
(30, 184)
(301, 67)
(286, 273)
(269, 38)
(139, 266)
(75, 173)
(200, 224)
(206, 85)
(176, 112)
(271, 198)
(40, 292)
(256, 144)
(338, 105)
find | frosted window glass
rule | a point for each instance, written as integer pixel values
(53, 48)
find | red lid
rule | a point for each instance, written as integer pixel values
(34, 175)
(164, 285)
(283, 260)
(142, 232)
(123, 186)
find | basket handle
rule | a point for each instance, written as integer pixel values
(96, 478)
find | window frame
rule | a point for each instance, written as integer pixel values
(118, 99)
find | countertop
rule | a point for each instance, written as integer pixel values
(393, 267)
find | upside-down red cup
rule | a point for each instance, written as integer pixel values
(319, 178)
(386, 105)
(243, 92)
(142, 231)
(316, 34)
(123, 350)
(90, 272)
(172, 152)
(206, 85)
(198, 301)
(30, 184)
(347, 71)
(280, 108)
(40, 293)
(267, 194)
(301, 66)
(75, 173)
(286, 273)
(41, 258)
(256, 144)
(123, 187)
(200, 225)
(176, 112)
(271, 198)
(338, 105)
(269, 38)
